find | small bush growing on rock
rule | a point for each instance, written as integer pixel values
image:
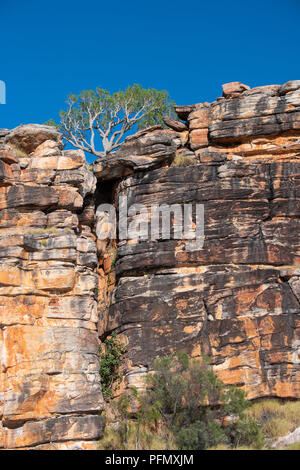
(112, 252)
(110, 360)
(182, 161)
(20, 153)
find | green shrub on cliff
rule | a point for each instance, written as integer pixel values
(185, 407)
(192, 404)
(110, 360)
(183, 161)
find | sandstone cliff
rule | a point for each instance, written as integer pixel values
(236, 299)
(50, 389)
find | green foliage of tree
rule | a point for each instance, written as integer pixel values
(200, 435)
(185, 407)
(110, 360)
(246, 432)
(101, 117)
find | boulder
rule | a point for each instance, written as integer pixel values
(289, 87)
(28, 137)
(146, 149)
(292, 438)
(178, 126)
(234, 89)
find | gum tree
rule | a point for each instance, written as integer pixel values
(98, 121)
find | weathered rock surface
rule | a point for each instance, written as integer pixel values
(234, 89)
(28, 137)
(50, 393)
(237, 298)
(142, 151)
(3, 134)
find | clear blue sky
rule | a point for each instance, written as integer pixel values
(50, 49)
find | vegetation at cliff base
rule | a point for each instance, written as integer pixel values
(187, 407)
(98, 121)
(276, 417)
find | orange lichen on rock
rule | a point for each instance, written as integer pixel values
(235, 299)
(50, 388)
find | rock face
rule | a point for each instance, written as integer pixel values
(145, 150)
(50, 393)
(3, 134)
(235, 299)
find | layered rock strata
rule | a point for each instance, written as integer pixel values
(237, 298)
(62, 285)
(50, 393)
